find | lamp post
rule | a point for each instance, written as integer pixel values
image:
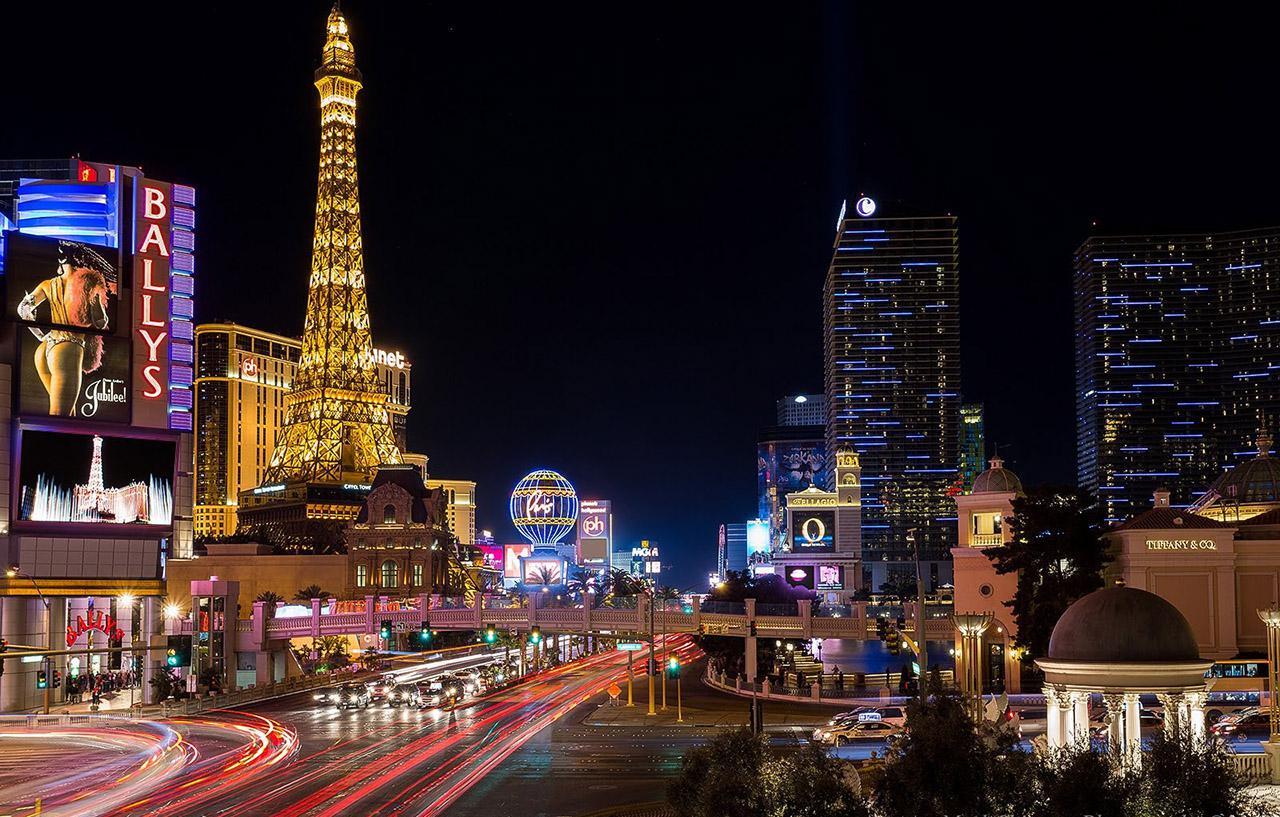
(971, 627)
(1271, 617)
(48, 636)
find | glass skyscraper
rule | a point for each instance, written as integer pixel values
(973, 446)
(891, 339)
(1177, 342)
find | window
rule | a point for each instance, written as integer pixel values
(362, 575)
(389, 577)
(417, 575)
(389, 515)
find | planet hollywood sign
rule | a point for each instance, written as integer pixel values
(1181, 544)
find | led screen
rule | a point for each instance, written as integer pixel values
(81, 478)
(813, 532)
(71, 286)
(58, 379)
(511, 560)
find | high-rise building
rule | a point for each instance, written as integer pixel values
(460, 507)
(242, 377)
(891, 334)
(337, 428)
(1177, 341)
(13, 171)
(735, 546)
(973, 444)
(802, 410)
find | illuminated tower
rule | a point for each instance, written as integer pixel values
(337, 426)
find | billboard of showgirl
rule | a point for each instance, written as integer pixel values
(544, 507)
(84, 478)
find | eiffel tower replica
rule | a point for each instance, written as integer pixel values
(337, 427)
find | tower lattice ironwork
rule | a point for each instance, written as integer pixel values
(337, 427)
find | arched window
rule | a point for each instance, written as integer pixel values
(390, 577)
(417, 575)
(389, 515)
(362, 575)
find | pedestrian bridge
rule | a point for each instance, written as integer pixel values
(331, 617)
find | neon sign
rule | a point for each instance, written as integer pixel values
(98, 620)
(865, 206)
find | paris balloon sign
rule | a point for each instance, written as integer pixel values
(544, 507)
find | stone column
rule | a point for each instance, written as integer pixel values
(1195, 713)
(1132, 727)
(1053, 716)
(1172, 703)
(1078, 731)
(1115, 721)
(153, 626)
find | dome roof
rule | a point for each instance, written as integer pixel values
(996, 479)
(1121, 625)
(1256, 480)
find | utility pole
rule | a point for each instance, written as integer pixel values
(921, 635)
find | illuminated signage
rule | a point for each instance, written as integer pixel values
(395, 360)
(249, 368)
(1181, 544)
(83, 210)
(97, 620)
(830, 577)
(821, 501)
(799, 576)
(865, 206)
(511, 559)
(813, 532)
(269, 489)
(757, 537)
(541, 571)
(594, 519)
(163, 266)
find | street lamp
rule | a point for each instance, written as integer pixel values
(15, 572)
(971, 627)
(1271, 617)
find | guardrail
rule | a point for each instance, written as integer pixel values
(252, 634)
(1255, 768)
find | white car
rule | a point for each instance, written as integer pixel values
(853, 732)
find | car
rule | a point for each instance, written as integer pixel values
(353, 695)
(379, 689)
(326, 697)
(1030, 722)
(850, 716)
(853, 732)
(1242, 726)
(403, 695)
(895, 715)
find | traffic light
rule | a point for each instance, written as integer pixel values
(179, 652)
(535, 635)
(490, 634)
(673, 667)
(424, 632)
(384, 629)
(57, 679)
(42, 679)
(4, 647)
(753, 629)
(882, 627)
(702, 629)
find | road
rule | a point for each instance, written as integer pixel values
(528, 749)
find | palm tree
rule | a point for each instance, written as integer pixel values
(311, 591)
(270, 597)
(665, 593)
(583, 584)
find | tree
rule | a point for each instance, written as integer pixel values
(981, 770)
(1058, 555)
(665, 593)
(1077, 780)
(1184, 777)
(900, 588)
(582, 584)
(311, 591)
(737, 775)
(271, 597)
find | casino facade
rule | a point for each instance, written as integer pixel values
(96, 354)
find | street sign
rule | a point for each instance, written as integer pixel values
(630, 646)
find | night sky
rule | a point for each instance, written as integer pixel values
(599, 232)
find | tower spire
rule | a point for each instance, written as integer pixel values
(337, 427)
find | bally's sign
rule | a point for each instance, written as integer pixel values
(1181, 544)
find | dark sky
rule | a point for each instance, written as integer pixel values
(599, 231)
